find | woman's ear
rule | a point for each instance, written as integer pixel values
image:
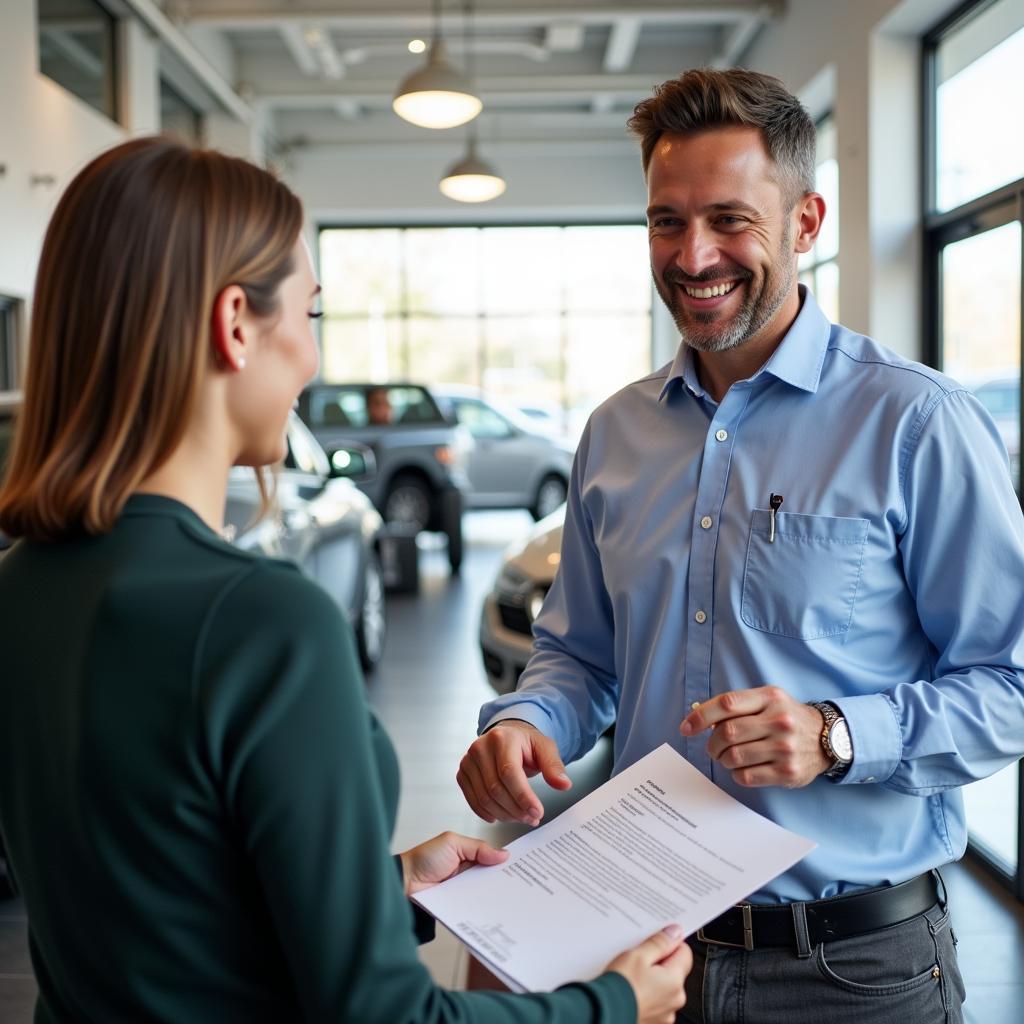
(228, 329)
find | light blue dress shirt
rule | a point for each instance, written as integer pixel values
(894, 587)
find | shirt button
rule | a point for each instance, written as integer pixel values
(722, 435)
(701, 617)
(706, 522)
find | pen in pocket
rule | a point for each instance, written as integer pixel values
(774, 501)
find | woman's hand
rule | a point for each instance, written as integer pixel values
(657, 969)
(442, 857)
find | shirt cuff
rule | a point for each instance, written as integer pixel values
(525, 712)
(875, 735)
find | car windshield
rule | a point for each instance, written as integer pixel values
(372, 405)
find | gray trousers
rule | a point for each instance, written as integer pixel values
(906, 974)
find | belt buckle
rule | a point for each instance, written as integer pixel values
(748, 931)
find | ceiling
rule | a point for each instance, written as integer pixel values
(323, 72)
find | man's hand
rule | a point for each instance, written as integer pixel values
(443, 856)
(764, 736)
(493, 774)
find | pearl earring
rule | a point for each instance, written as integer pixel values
(240, 363)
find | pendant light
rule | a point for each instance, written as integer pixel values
(438, 95)
(472, 180)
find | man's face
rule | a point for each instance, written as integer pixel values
(720, 236)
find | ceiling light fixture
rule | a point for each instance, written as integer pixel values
(438, 95)
(472, 180)
(417, 46)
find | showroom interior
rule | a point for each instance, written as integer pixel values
(491, 324)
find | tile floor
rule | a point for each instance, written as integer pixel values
(428, 691)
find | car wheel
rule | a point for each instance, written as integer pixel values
(551, 493)
(371, 627)
(408, 501)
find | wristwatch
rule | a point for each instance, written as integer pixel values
(835, 739)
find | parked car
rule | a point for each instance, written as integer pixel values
(321, 521)
(506, 623)
(512, 464)
(420, 454)
(1001, 397)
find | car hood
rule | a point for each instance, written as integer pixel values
(537, 556)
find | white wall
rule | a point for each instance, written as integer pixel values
(45, 133)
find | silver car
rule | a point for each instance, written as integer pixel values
(327, 526)
(506, 623)
(512, 464)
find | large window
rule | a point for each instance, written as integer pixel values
(555, 316)
(76, 50)
(819, 268)
(974, 64)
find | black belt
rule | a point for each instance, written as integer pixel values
(753, 926)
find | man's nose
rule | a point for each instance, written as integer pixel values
(697, 251)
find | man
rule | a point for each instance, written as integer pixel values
(378, 407)
(796, 557)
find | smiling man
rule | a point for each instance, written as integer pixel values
(797, 557)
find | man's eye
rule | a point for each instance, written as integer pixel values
(730, 221)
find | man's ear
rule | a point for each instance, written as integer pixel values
(228, 329)
(808, 215)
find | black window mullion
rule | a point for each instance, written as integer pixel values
(982, 214)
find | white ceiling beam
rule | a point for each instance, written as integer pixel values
(347, 110)
(319, 40)
(622, 42)
(418, 18)
(292, 35)
(532, 90)
(736, 41)
(564, 37)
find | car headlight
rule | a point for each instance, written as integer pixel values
(536, 602)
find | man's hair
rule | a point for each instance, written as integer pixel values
(141, 244)
(703, 99)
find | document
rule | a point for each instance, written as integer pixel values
(659, 843)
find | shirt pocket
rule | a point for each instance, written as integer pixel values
(804, 584)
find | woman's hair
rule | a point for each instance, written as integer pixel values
(705, 98)
(139, 247)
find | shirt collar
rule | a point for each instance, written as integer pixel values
(797, 361)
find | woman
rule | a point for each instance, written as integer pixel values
(195, 797)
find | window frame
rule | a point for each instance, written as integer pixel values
(997, 208)
(111, 107)
(811, 268)
(405, 313)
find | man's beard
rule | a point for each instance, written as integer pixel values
(709, 331)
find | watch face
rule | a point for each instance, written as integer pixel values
(839, 740)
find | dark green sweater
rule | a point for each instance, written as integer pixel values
(197, 801)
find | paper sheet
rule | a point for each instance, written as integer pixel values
(658, 843)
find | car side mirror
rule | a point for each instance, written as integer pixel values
(353, 462)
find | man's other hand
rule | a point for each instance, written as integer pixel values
(493, 774)
(763, 736)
